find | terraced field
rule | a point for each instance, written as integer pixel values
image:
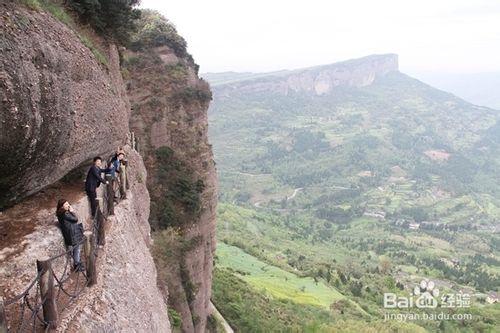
(275, 281)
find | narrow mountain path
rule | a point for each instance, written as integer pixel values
(295, 192)
(221, 319)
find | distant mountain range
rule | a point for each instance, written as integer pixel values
(478, 88)
(319, 80)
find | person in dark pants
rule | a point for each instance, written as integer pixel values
(72, 231)
(93, 181)
(115, 166)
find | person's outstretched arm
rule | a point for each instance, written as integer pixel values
(97, 173)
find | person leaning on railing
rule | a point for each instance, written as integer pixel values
(93, 181)
(114, 168)
(72, 231)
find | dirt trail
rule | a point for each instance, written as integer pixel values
(295, 192)
(30, 232)
(248, 174)
(126, 271)
(221, 319)
(38, 210)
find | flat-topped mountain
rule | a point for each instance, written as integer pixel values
(317, 80)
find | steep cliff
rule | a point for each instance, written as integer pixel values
(318, 80)
(59, 105)
(64, 101)
(128, 280)
(169, 119)
(126, 271)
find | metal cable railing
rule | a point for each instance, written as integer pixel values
(54, 287)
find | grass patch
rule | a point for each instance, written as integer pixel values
(97, 54)
(32, 4)
(60, 13)
(249, 310)
(277, 282)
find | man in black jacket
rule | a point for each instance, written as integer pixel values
(93, 181)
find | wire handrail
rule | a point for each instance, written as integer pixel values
(68, 286)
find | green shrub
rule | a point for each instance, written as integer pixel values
(190, 94)
(177, 72)
(155, 30)
(165, 156)
(131, 61)
(189, 287)
(180, 198)
(188, 193)
(167, 215)
(58, 11)
(212, 323)
(174, 317)
(113, 19)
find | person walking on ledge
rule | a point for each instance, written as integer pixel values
(93, 181)
(72, 231)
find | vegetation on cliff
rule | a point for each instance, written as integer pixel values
(113, 19)
(169, 104)
(182, 198)
(154, 31)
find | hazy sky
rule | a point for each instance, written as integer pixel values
(429, 35)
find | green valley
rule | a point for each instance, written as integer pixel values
(340, 183)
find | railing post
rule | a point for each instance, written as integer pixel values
(123, 180)
(89, 249)
(47, 293)
(101, 237)
(110, 196)
(3, 319)
(100, 205)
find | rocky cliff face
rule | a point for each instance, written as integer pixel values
(59, 106)
(127, 273)
(126, 297)
(169, 118)
(317, 80)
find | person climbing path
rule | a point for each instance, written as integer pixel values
(93, 181)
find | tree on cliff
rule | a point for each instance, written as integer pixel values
(154, 30)
(114, 18)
